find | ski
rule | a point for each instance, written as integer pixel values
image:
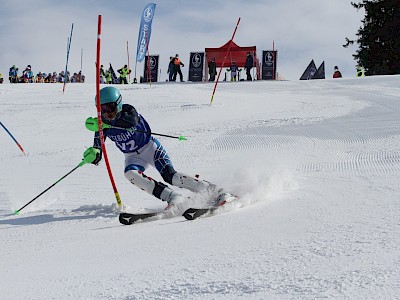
(194, 213)
(129, 219)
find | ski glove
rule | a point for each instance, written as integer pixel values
(97, 159)
(94, 154)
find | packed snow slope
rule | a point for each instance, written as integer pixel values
(316, 164)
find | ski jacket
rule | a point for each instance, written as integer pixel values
(13, 72)
(233, 68)
(212, 68)
(124, 72)
(337, 74)
(177, 62)
(127, 141)
(171, 67)
(249, 62)
(27, 74)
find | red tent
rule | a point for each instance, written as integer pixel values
(236, 53)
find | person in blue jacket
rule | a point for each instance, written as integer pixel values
(142, 150)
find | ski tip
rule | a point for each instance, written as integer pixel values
(193, 213)
(17, 212)
(126, 219)
(189, 214)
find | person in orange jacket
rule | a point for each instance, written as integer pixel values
(178, 64)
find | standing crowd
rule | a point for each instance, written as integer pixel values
(27, 76)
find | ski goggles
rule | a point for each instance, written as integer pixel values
(110, 107)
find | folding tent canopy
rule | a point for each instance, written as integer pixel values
(236, 53)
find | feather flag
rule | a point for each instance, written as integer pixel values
(145, 31)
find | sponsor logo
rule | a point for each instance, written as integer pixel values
(153, 62)
(196, 60)
(269, 59)
(148, 14)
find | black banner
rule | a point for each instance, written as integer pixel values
(309, 71)
(269, 59)
(153, 76)
(196, 66)
(320, 74)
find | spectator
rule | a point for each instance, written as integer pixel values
(54, 77)
(178, 64)
(1, 78)
(74, 78)
(47, 79)
(108, 76)
(102, 74)
(27, 75)
(13, 74)
(234, 71)
(212, 69)
(61, 77)
(360, 71)
(124, 72)
(249, 65)
(336, 73)
(171, 68)
(39, 77)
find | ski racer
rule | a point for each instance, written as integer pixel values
(142, 150)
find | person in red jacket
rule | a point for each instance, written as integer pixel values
(337, 73)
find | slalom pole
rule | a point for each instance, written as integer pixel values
(66, 64)
(92, 125)
(99, 120)
(88, 157)
(129, 66)
(81, 60)
(148, 60)
(273, 59)
(19, 146)
(223, 63)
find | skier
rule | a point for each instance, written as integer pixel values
(142, 150)
(234, 71)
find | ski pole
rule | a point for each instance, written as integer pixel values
(91, 124)
(20, 147)
(88, 157)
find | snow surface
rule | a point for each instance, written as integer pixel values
(316, 164)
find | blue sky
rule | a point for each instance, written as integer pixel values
(36, 32)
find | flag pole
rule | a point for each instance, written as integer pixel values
(223, 63)
(66, 64)
(129, 66)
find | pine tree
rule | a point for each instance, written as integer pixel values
(379, 37)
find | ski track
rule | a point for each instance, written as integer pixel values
(349, 132)
(312, 244)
